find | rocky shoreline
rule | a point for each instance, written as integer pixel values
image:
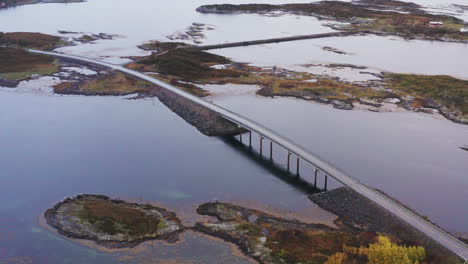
(112, 223)
(382, 17)
(264, 237)
(204, 120)
(12, 3)
(359, 214)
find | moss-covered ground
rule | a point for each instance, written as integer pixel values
(30, 40)
(17, 64)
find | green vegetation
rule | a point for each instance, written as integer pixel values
(249, 229)
(445, 90)
(189, 64)
(307, 246)
(414, 26)
(17, 64)
(383, 251)
(271, 239)
(365, 15)
(162, 46)
(111, 219)
(113, 84)
(27, 2)
(324, 88)
(112, 223)
(30, 40)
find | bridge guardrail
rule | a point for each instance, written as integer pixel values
(416, 215)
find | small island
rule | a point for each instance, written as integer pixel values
(270, 239)
(387, 17)
(112, 223)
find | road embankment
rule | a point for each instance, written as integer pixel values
(358, 213)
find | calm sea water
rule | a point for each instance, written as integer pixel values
(52, 147)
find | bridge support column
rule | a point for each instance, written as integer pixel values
(289, 155)
(271, 151)
(240, 134)
(250, 139)
(326, 180)
(315, 177)
(261, 145)
(297, 168)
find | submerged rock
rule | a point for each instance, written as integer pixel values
(112, 223)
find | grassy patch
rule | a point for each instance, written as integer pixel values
(445, 90)
(118, 84)
(307, 246)
(112, 218)
(414, 25)
(44, 70)
(17, 64)
(374, 15)
(325, 88)
(30, 40)
(162, 46)
(189, 64)
(249, 229)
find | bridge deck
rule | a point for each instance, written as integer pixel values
(403, 213)
(275, 40)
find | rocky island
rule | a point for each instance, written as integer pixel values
(361, 231)
(270, 239)
(4, 4)
(190, 69)
(387, 17)
(112, 223)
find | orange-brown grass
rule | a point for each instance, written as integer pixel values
(30, 40)
(446, 90)
(17, 60)
(308, 246)
(113, 218)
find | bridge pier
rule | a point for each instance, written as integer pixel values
(326, 180)
(271, 150)
(261, 145)
(315, 177)
(297, 168)
(250, 139)
(240, 134)
(289, 155)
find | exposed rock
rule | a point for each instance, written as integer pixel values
(112, 223)
(206, 121)
(370, 102)
(335, 50)
(270, 239)
(8, 83)
(343, 65)
(361, 214)
(67, 32)
(342, 105)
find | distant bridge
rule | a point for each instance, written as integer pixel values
(275, 40)
(320, 165)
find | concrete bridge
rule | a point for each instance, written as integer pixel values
(321, 166)
(275, 40)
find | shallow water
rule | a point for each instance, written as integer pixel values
(387, 54)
